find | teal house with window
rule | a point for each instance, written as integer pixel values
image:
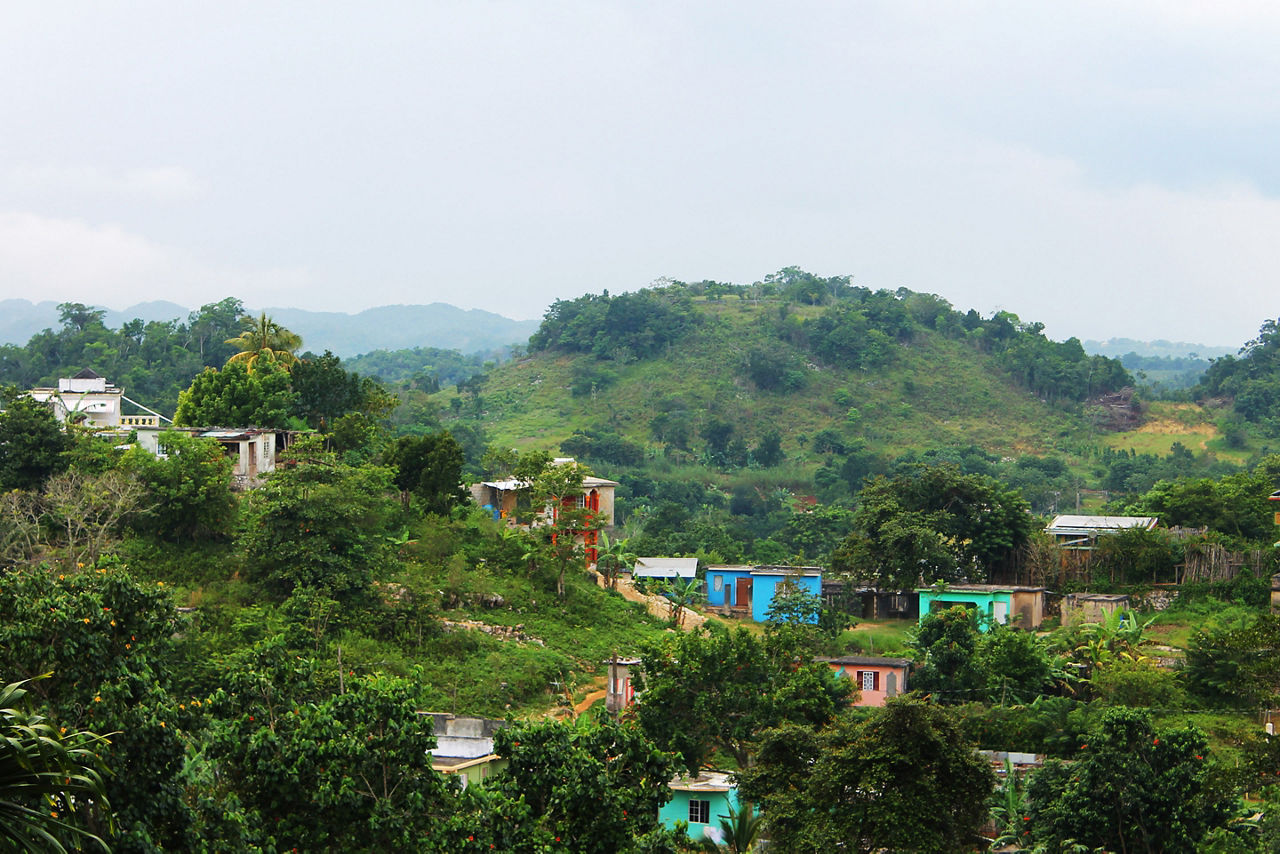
(1021, 606)
(701, 802)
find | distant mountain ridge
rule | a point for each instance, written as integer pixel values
(1117, 347)
(389, 327)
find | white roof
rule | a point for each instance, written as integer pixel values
(461, 747)
(1098, 524)
(706, 781)
(649, 567)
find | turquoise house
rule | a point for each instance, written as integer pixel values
(1024, 606)
(701, 802)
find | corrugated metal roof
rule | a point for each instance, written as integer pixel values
(684, 567)
(1099, 524)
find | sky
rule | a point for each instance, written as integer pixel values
(1106, 168)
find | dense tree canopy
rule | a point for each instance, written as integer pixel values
(719, 691)
(239, 395)
(930, 523)
(33, 445)
(901, 780)
(1133, 787)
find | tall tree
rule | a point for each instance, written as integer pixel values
(901, 780)
(719, 691)
(430, 468)
(1132, 788)
(238, 396)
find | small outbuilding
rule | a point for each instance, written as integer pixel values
(1091, 607)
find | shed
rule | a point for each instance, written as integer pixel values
(1091, 607)
(729, 587)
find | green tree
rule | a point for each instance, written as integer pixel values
(326, 391)
(104, 638)
(901, 780)
(430, 468)
(1236, 665)
(346, 771)
(947, 642)
(1133, 787)
(591, 787)
(933, 521)
(719, 691)
(238, 396)
(189, 489)
(318, 523)
(33, 445)
(50, 781)
(263, 336)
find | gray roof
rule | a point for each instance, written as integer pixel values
(461, 747)
(868, 661)
(1099, 524)
(648, 567)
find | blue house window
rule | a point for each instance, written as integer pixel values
(699, 812)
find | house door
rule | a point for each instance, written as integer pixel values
(1001, 612)
(742, 596)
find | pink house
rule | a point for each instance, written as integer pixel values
(877, 679)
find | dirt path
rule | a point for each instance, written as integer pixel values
(590, 700)
(656, 605)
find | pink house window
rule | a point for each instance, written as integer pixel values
(869, 680)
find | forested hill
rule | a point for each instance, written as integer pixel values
(707, 372)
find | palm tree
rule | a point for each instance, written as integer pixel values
(47, 776)
(264, 335)
(738, 832)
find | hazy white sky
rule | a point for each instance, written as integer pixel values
(1108, 168)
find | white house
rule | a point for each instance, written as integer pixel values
(252, 450)
(90, 400)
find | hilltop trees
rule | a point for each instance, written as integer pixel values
(257, 394)
(263, 336)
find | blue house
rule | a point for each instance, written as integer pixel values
(701, 802)
(749, 590)
(765, 581)
(729, 587)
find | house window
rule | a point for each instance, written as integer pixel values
(699, 812)
(869, 680)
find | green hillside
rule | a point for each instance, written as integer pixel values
(876, 375)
